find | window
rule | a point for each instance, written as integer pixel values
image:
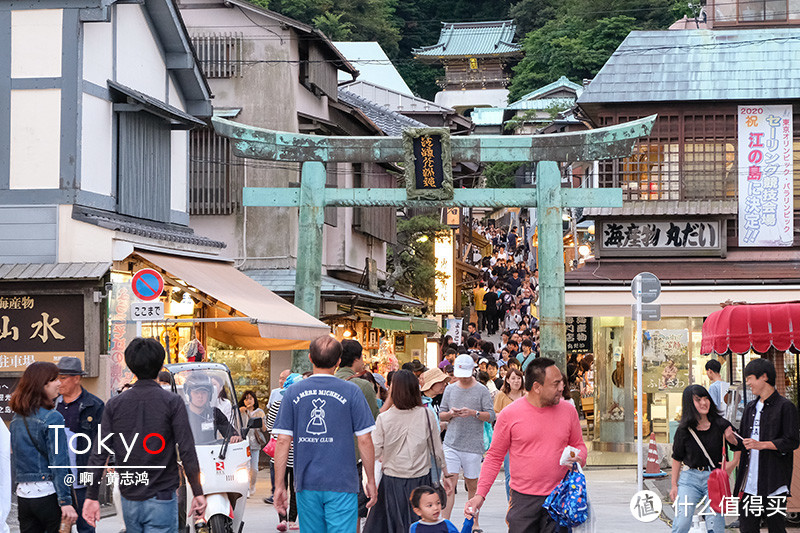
(762, 10)
(143, 166)
(687, 157)
(219, 54)
(216, 175)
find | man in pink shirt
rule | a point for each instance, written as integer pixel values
(534, 430)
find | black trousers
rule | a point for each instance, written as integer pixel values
(481, 320)
(750, 514)
(289, 480)
(526, 514)
(492, 316)
(39, 515)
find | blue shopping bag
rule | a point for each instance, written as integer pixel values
(568, 504)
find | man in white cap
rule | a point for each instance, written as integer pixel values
(466, 405)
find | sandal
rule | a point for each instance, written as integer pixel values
(282, 526)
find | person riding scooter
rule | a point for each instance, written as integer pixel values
(204, 419)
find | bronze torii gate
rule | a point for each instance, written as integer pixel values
(548, 196)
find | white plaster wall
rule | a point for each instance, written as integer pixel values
(223, 228)
(81, 242)
(36, 43)
(35, 139)
(98, 52)
(96, 145)
(174, 97)
(473, 98)
(179, 146)
(139, 62)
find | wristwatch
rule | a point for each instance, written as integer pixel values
(477, 414)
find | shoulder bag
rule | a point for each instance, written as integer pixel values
(436, 471)
(719, 484)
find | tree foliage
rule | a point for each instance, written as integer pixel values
(501, 175)
(411, 261)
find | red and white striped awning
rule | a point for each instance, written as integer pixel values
(757, 327)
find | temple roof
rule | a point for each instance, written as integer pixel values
(473, 39)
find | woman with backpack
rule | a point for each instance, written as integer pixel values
(44, 500)
(699, 446)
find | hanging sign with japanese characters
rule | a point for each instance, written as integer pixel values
(765, 175)
(40, 328)
(579, 334)
(428, 164)
(661, 237)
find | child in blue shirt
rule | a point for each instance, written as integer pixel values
(427, 505)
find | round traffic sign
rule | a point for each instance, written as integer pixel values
(147, 284)
(650, 286)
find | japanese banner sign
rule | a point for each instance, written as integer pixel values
(765, 175)
(661, 237)
(579, 334)
(40, 328)
(428, 164)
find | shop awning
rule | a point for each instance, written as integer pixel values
(279, 325)
(757, 327)
(407, 323)
(392, 322)
(424, 325)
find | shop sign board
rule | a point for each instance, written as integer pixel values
(428, 164)
(579, 334)
(37, 327)
(147, 311)
(661, 237)
(455, 328)
(121, 332)
(7, 386)
(665, 360)
(147, 284)
(766, 167)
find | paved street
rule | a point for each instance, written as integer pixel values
(610, 491)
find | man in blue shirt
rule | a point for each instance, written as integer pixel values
(320, 415)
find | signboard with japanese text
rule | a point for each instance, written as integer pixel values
(428, 164)
(120, 333)
(579, 334)
(40, 328)
(661, 237)
(665, 359)
(765, 175)
(7, 386)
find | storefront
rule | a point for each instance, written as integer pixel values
(213, 312)
(48, 312)
(671, 354)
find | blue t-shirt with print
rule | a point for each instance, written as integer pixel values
(322, 413)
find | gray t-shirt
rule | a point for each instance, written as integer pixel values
(465, 434)
(717, 390)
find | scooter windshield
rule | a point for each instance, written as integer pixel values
(210, 404)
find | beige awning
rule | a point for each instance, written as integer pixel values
(279, 325)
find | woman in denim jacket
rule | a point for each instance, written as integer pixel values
(43, 496)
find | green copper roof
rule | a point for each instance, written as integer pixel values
(473, 39)
(700, 65)
(560, 83)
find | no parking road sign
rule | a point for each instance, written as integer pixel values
(147, 284)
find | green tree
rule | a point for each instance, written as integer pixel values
(411, 260)
(567, 47)
(332, 26)
(501, 175)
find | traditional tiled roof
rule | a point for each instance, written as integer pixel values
(390, 122)
(144, 228)
(473, 39)
(700, 65)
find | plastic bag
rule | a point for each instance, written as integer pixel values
(488, 433)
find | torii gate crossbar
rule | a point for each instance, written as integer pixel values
(548, 196)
